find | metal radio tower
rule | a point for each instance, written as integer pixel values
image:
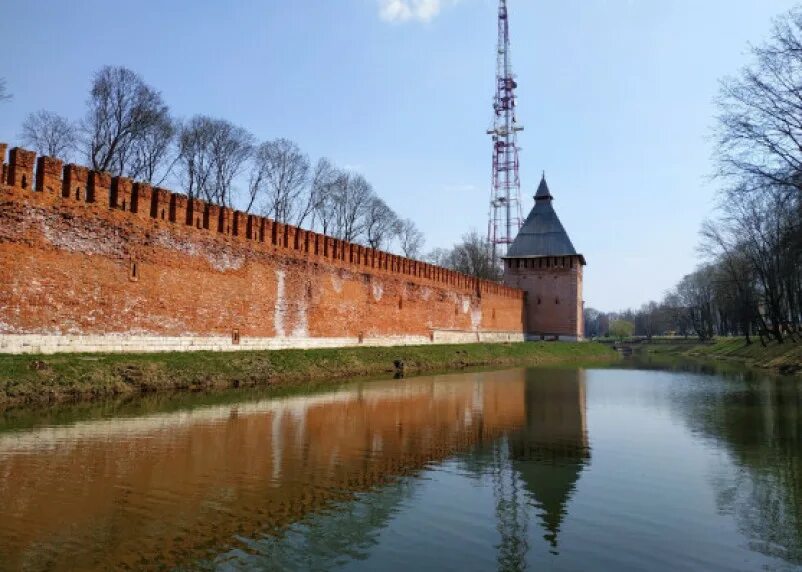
(505, 196)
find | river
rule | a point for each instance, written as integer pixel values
(634, 467)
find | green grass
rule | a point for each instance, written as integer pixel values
(28, 380)
(786, 358)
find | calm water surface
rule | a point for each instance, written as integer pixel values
(564, 469)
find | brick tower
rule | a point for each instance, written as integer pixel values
(542, 261)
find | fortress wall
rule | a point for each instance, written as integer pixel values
(90, 262)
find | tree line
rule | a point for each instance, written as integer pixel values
(128, 130)
(750, 280)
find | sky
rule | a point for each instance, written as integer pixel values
(616, 96)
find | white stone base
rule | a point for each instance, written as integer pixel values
(553, 337)
(122, 343)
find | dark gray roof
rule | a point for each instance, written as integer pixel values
(542, 233)
(543, 191)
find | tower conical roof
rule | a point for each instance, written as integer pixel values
(552, 450)
(543, 191)
(542, 234)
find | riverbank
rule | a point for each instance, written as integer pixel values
(40, 380)
(783, 358)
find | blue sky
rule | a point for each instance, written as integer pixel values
(616, 97)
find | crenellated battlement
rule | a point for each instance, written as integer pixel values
(48, 181)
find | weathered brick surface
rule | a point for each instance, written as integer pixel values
(553, 287)
(107, 256)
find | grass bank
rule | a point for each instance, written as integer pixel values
(36, 380)
(784, 358)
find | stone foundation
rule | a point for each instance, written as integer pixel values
(125, 343)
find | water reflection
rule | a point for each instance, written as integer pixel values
(479, 470)
(166, 488)
(552, 450)
(535, 469)
(756, 417)
(758, 422)
(347, 531)
(532, 468)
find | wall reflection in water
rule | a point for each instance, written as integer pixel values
(178, 487)
(533, 466)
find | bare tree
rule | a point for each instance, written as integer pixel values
(121, 110)
(695, 293)
(472, 256)
(344, 205)
(592, 319)
(322, 194)
(381, 223)
(736, 280)
(212, 152)
(765, 226)
(152, 156)
(280, 175)
(231, 147)
(760, 117)
(351, 196)
(439, 257)
(647, 319)
(194, 163)
(49, 134)
(4, 95)
(410, 238)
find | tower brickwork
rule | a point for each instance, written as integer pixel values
(543, 262)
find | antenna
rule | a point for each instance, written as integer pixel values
(505, 218)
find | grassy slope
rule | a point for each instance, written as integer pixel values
(785, 357)
(51, 379)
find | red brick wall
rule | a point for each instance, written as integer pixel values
(84, 253)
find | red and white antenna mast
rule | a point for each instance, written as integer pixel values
(505, 195)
